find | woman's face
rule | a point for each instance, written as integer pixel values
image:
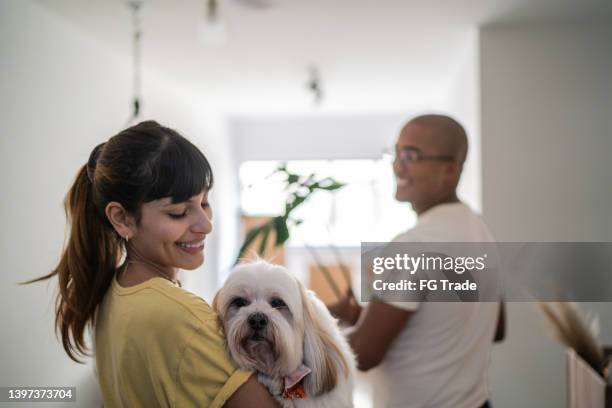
(172, 235)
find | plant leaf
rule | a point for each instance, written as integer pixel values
(264, 238)
(292, 178)
(330, 184)
(297, 200)
(282, 232)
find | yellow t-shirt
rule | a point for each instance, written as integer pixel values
(158, 345)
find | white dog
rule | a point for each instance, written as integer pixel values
(276, 327)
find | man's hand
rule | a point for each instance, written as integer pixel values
(377, 327)
(347, 310)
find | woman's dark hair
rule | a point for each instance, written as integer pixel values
(140, 164)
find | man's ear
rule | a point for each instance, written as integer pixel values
(452, 172)
(120, 219)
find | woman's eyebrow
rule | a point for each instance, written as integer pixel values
(193, 200)
(169, 204)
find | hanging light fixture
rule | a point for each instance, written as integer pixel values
(135, 6)
(314, 85)
(213, 32)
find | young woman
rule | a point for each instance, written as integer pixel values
(139, 211)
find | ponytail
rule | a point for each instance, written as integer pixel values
(86, 268)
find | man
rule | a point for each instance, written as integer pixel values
(432, 354)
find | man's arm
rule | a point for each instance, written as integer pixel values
(378, 325)
(500, 331)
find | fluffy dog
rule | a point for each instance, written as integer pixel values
(276, 327)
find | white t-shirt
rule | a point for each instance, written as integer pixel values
(441, 358)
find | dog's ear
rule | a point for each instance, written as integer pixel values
(215, 302)
(321, 352)
(215, 307)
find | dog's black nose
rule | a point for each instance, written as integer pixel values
(257, 321)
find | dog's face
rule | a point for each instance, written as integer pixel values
(261, 306)
(273, 326)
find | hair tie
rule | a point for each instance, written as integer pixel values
(93, 161)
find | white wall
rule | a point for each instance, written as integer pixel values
(61, 93)
(315, 137)
(546, 98)
(462, 103)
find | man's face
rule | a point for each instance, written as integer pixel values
(419, 181)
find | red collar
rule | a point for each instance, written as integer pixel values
(294, 383)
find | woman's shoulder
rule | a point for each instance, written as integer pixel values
(158, 301)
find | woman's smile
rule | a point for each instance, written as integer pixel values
(192, 247)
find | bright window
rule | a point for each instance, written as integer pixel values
(363, 210)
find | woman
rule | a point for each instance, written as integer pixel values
(139, 211)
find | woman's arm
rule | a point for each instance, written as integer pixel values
(251, 393)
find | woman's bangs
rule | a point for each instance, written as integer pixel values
(182, 172)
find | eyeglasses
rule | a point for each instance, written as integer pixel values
(414, 155)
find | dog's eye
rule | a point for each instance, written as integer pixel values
(277, 303)
(239, 302)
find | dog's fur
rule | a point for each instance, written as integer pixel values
(299, 330)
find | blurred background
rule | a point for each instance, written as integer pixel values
(324, 86)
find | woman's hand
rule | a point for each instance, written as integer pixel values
(251, 394)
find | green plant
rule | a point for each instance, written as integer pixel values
(299, 189)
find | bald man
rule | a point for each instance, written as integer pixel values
(432, 354)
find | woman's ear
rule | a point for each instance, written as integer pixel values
(321, 352)
(119, 218)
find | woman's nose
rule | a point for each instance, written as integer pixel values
(204, 223)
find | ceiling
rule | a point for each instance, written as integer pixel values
(373, 55)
